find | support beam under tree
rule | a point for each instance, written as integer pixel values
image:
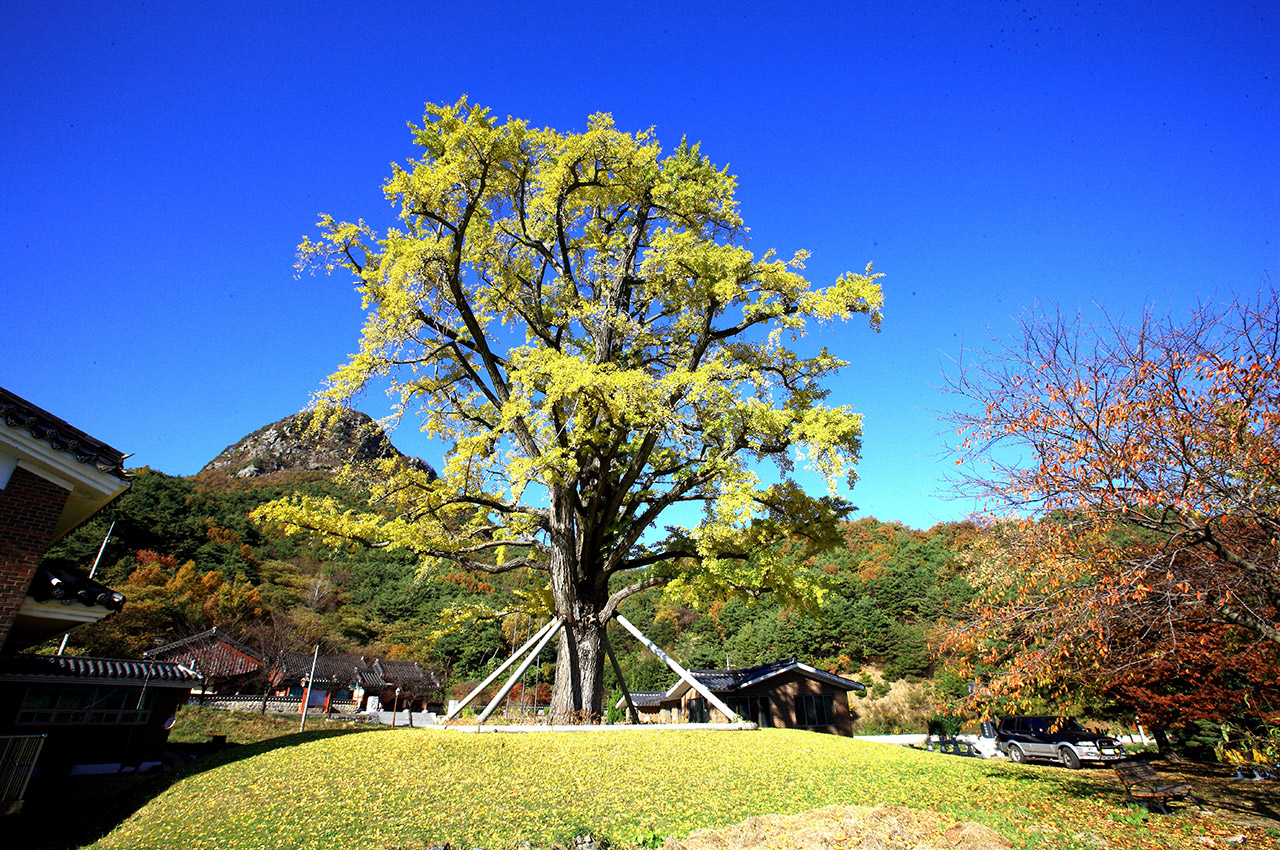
(306, 693)
(515, 677)
(515, 656)
(704, 691)
(622, 683)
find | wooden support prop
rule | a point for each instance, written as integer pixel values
(622, 683)
(732, 715)
(515, 656)
(306, 693)
(515, 677)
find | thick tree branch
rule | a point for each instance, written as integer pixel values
(619, 596)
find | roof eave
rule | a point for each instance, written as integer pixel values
(813, 672)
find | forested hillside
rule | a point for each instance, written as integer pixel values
(188, 557)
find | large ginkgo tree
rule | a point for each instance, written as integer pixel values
(578, 320)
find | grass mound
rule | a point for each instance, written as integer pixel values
(419, 788)
(882, 828)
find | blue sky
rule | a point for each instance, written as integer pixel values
(161, 162)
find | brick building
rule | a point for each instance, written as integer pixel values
(52, 478)
(90, 714)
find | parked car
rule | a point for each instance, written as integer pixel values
(1058, 738)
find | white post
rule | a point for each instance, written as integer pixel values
(306, 692)
(515, 677)
(516, 656)
(733, 716)
(94, 570)
(62, 647)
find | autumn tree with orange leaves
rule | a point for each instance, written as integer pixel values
(1140, 466)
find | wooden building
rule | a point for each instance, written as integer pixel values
(98, 715)
(787, 694)
(394, 685)
(223, 663)
(418, 689)
(648, 706)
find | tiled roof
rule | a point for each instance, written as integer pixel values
(207, 636)
(209, 653)
(17, 412)
(732, 680)
(729, 680)
(645, 698)
(332, 669)
(67, 584)
(370, 678)
(405, 673)
(159, 673)
(344, 670)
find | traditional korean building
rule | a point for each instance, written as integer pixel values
(783, 693)
(223, 663)
(397, 685)
(418, 689)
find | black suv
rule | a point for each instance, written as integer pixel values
(1058, 738)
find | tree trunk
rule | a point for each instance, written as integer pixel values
(1162, 743)
(578, 693)
(579, 593)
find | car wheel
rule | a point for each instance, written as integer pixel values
(1069, 758)
(1016, 755)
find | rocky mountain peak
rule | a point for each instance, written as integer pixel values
(290, 445)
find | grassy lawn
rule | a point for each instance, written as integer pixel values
(415, 788)
(195, 724)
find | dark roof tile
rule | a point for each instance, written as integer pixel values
(732, 680)
(647, 698)
(68, 584)
(107, 669)
(17, 412)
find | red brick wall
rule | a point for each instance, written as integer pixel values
(29, 510)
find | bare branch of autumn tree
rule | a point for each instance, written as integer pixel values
(1144, 460)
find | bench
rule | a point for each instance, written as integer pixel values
(1144, 786)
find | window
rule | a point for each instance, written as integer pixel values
(698, 711)
(755, 709)
(815, 710)
(44, 706)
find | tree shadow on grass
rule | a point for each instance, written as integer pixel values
(66, 812)
(1256, 803)
(1086, 785)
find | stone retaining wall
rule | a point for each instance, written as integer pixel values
(277, 705)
